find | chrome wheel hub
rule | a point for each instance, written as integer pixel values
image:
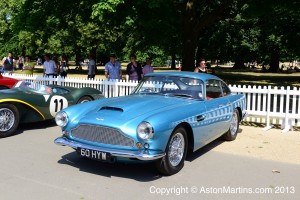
(7, 119)
(234, 124)
(176, 149)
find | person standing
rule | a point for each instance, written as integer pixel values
(202, 67)
(20, 63)
(8, 64)
(134, 69)
(63, 67)
(91, 67)
(148, 67)
(28, 66)
(50, 69)
(113, 70)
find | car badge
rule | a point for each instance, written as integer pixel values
(99, 119)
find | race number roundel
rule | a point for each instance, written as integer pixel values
(57, 103)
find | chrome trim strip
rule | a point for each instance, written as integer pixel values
(141, 155)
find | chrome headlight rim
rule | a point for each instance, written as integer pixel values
(145, 131)
(61, 119)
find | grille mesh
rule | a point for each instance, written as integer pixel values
(101, 134)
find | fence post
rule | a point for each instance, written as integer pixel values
(286, 124)
(268, 125)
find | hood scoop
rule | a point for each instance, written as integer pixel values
(111, 108)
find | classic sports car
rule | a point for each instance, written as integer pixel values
(167, 115)
(33, 102)
(6, 82)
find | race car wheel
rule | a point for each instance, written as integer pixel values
(84, 99)
(234, 127)
(176, 151)
(9, 119)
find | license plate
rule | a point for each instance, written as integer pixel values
(94, 154)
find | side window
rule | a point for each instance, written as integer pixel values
(225, 88)
(213, 89)
(60, 91)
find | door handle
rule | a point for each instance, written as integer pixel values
(200, 118)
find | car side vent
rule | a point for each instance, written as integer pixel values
(111, 108)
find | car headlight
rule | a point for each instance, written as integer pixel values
(61, 119)
(145, 131)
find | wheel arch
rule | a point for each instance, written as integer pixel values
(86, 95)
(28, 113)
(240, 113)
(190, 135)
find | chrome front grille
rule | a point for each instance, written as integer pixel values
(101, 134)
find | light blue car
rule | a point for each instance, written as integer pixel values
(168, 115)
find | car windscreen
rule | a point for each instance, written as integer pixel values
(33, 87)
(176, 86)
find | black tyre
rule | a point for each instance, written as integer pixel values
(9, 120)
(176, 151)
(234, 126)
(84, 99)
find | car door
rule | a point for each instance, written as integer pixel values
(218, 108)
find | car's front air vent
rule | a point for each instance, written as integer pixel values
(111, 108)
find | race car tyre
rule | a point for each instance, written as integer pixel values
(84, 99)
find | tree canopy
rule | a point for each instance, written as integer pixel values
(231, 30)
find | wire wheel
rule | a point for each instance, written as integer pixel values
(7, 119)
(176, 149)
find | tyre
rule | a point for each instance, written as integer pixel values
(234, 127)
(84, 99)
(9, 120)
(176, 151)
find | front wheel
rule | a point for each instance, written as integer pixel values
(9, 119)
(176, 151)
(84, 99)
(234, 127)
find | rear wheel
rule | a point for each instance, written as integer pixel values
(234, 127)
(9, 119)
(176, 151)
(84, 99)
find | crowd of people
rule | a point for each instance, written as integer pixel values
(54, 66)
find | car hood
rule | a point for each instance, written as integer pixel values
(123, 109)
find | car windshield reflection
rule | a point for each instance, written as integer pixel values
(182, 87)
(33, 87)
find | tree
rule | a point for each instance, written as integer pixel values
(279, 24)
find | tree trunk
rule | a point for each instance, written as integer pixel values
(190, 36)
(239, 64)
(199, 54)
(173, 60)
(188, 55)
(274, 63)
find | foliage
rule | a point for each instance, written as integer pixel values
(231, 30)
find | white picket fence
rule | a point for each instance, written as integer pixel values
(267, 105)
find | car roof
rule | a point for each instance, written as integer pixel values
(202, 76)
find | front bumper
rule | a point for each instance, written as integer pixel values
(140, 155)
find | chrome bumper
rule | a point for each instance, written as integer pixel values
(140, 155)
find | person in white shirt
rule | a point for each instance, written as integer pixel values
(50, 69)
(91, 67)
